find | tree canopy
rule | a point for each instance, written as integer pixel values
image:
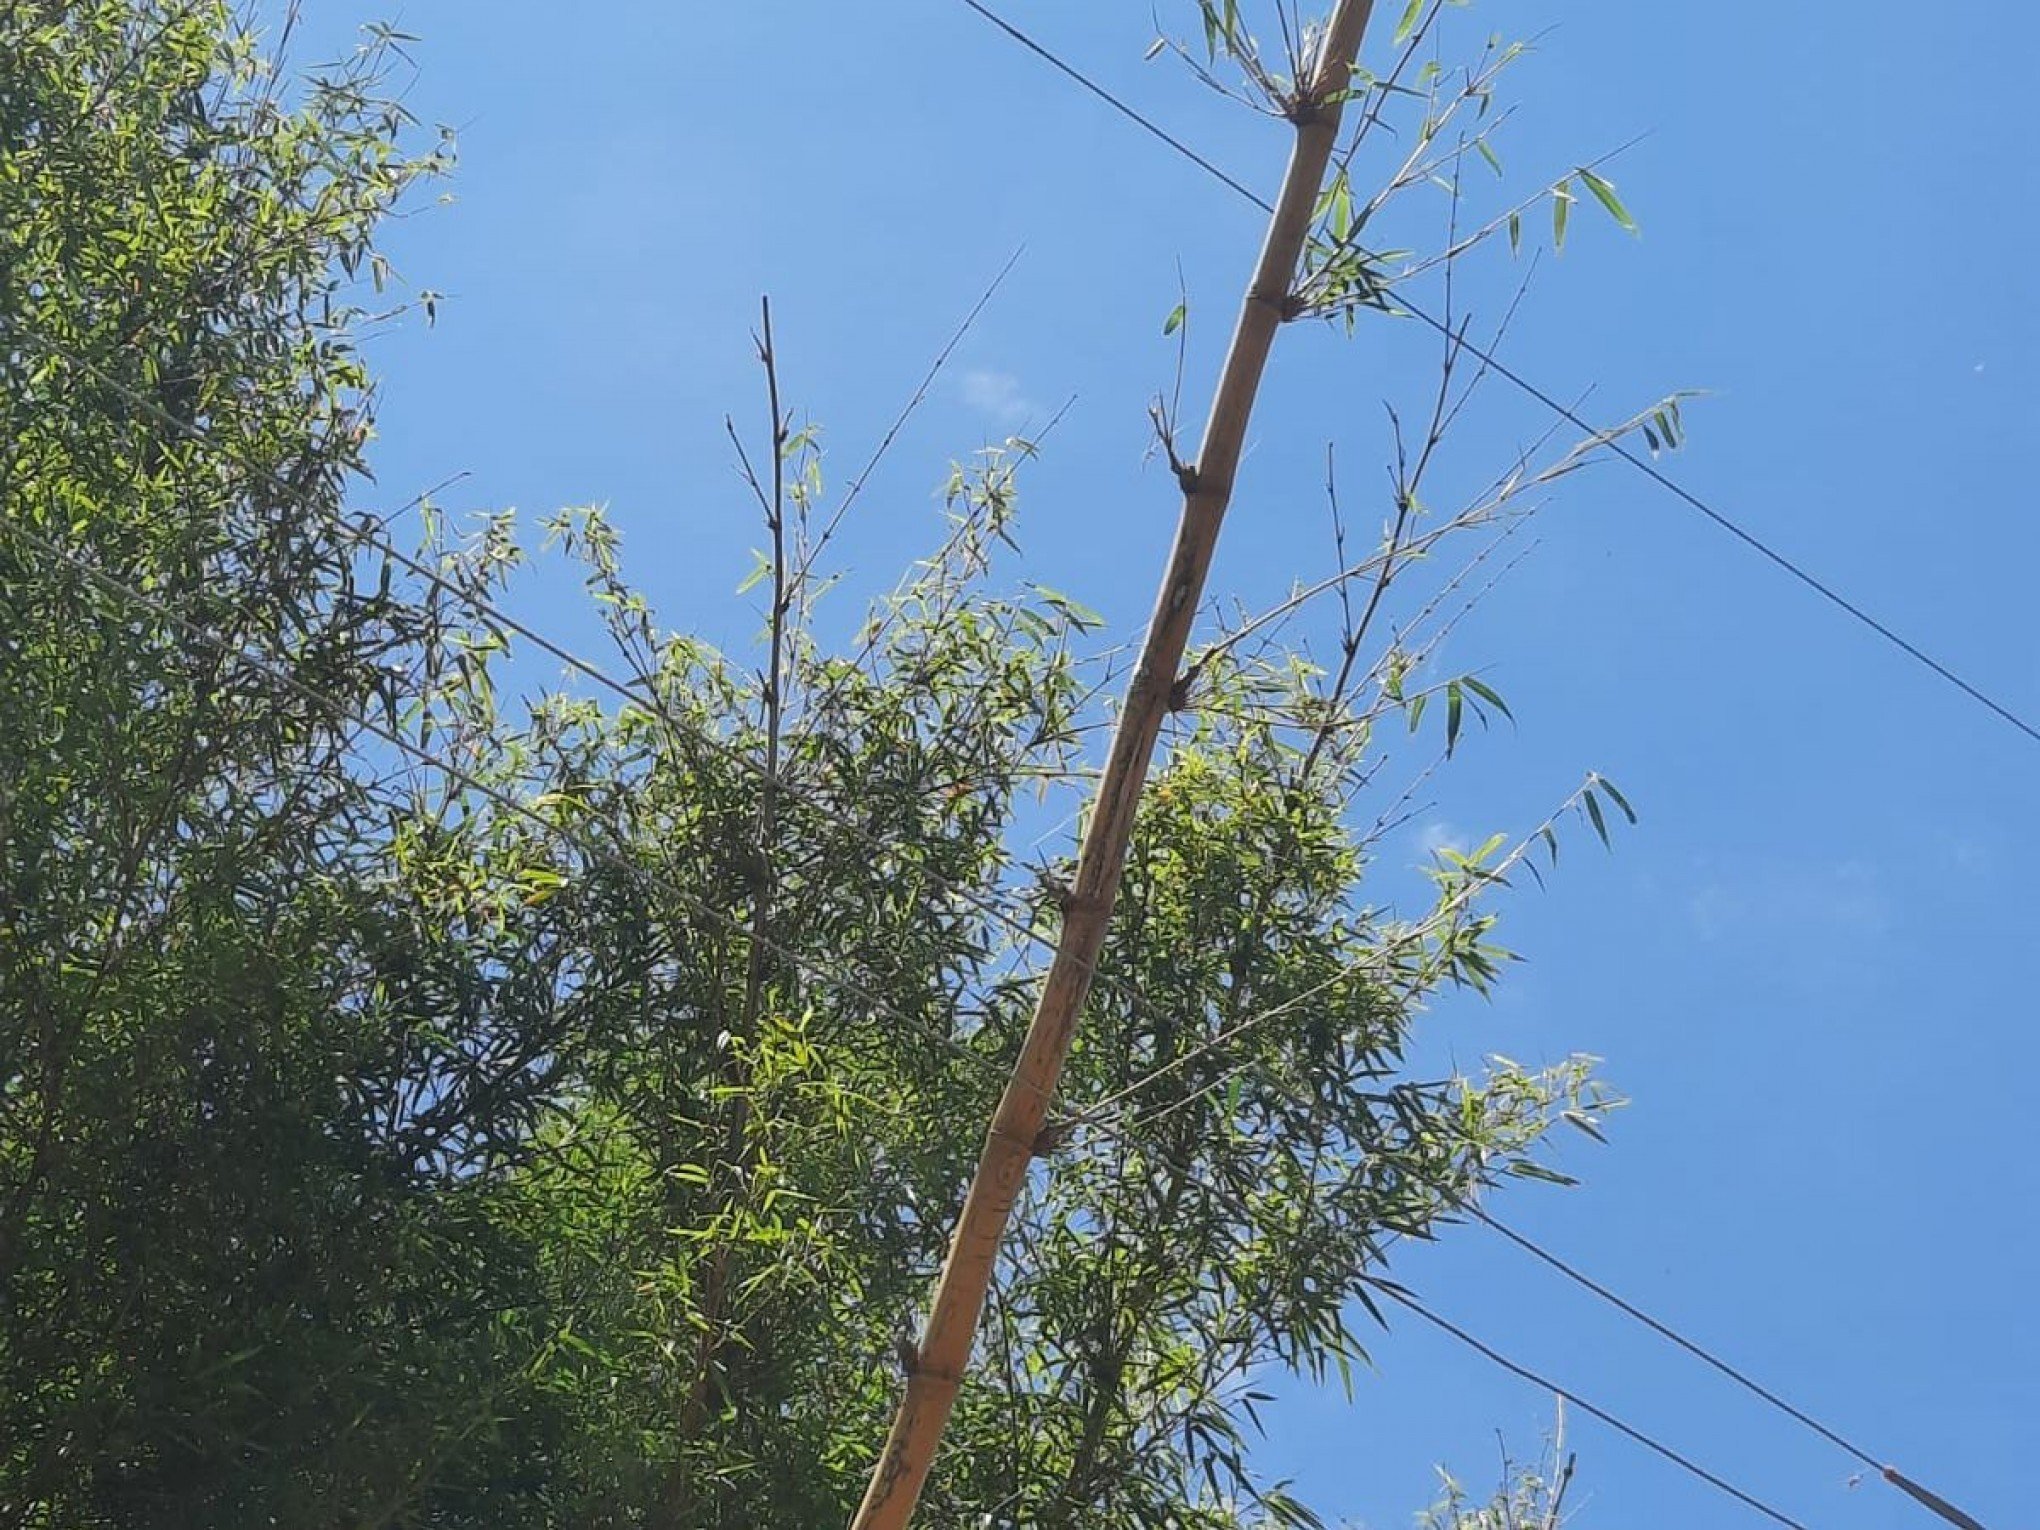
(419, 1109)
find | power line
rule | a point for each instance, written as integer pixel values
(1118, 105)
(1939, 1505)
(221, 644)
(1748, 538)
(1664, 1330)
(596, 674)
(224, 645)
(1891, 1474)
(1741, 533)
(1930, 1500)
(1685, 1463)
(1092, 1116)
(1126, 1131)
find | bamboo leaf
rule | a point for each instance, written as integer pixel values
(1604, 193)
(1585, 1123)
(1619, 800)
(1600, 823)
(1488, 694)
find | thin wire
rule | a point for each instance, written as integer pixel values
(1116, 104)
(1933, 1501)
(1665, 1331)
(1748, 538)
(620, 688)
(501, 798)
(1685, 1463)
(1891, 1474)
(426, 757)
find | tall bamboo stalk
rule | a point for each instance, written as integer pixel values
(940, 1360)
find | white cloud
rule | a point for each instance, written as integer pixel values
(1842, 898)
(997, 395)
(1969, 854)
(1439, 835)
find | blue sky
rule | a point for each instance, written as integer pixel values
(1804, 968)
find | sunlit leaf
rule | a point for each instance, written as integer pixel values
(1604, 193)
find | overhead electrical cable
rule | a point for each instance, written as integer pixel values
(1749, 539)
(1684, 1463)
(1742, 534)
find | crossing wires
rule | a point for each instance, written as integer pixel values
(1821, 587)
(1664, 1330)
(1751, 541)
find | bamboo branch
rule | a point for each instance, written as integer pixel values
(944, 1352)
(676, 1501)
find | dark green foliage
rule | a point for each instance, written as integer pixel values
(545, 1143)
(230, 1291)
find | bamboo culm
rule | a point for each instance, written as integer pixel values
(943, 1353)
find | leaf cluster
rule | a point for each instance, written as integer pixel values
(561, 1131)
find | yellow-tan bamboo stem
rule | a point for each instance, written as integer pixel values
(944, 1351)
